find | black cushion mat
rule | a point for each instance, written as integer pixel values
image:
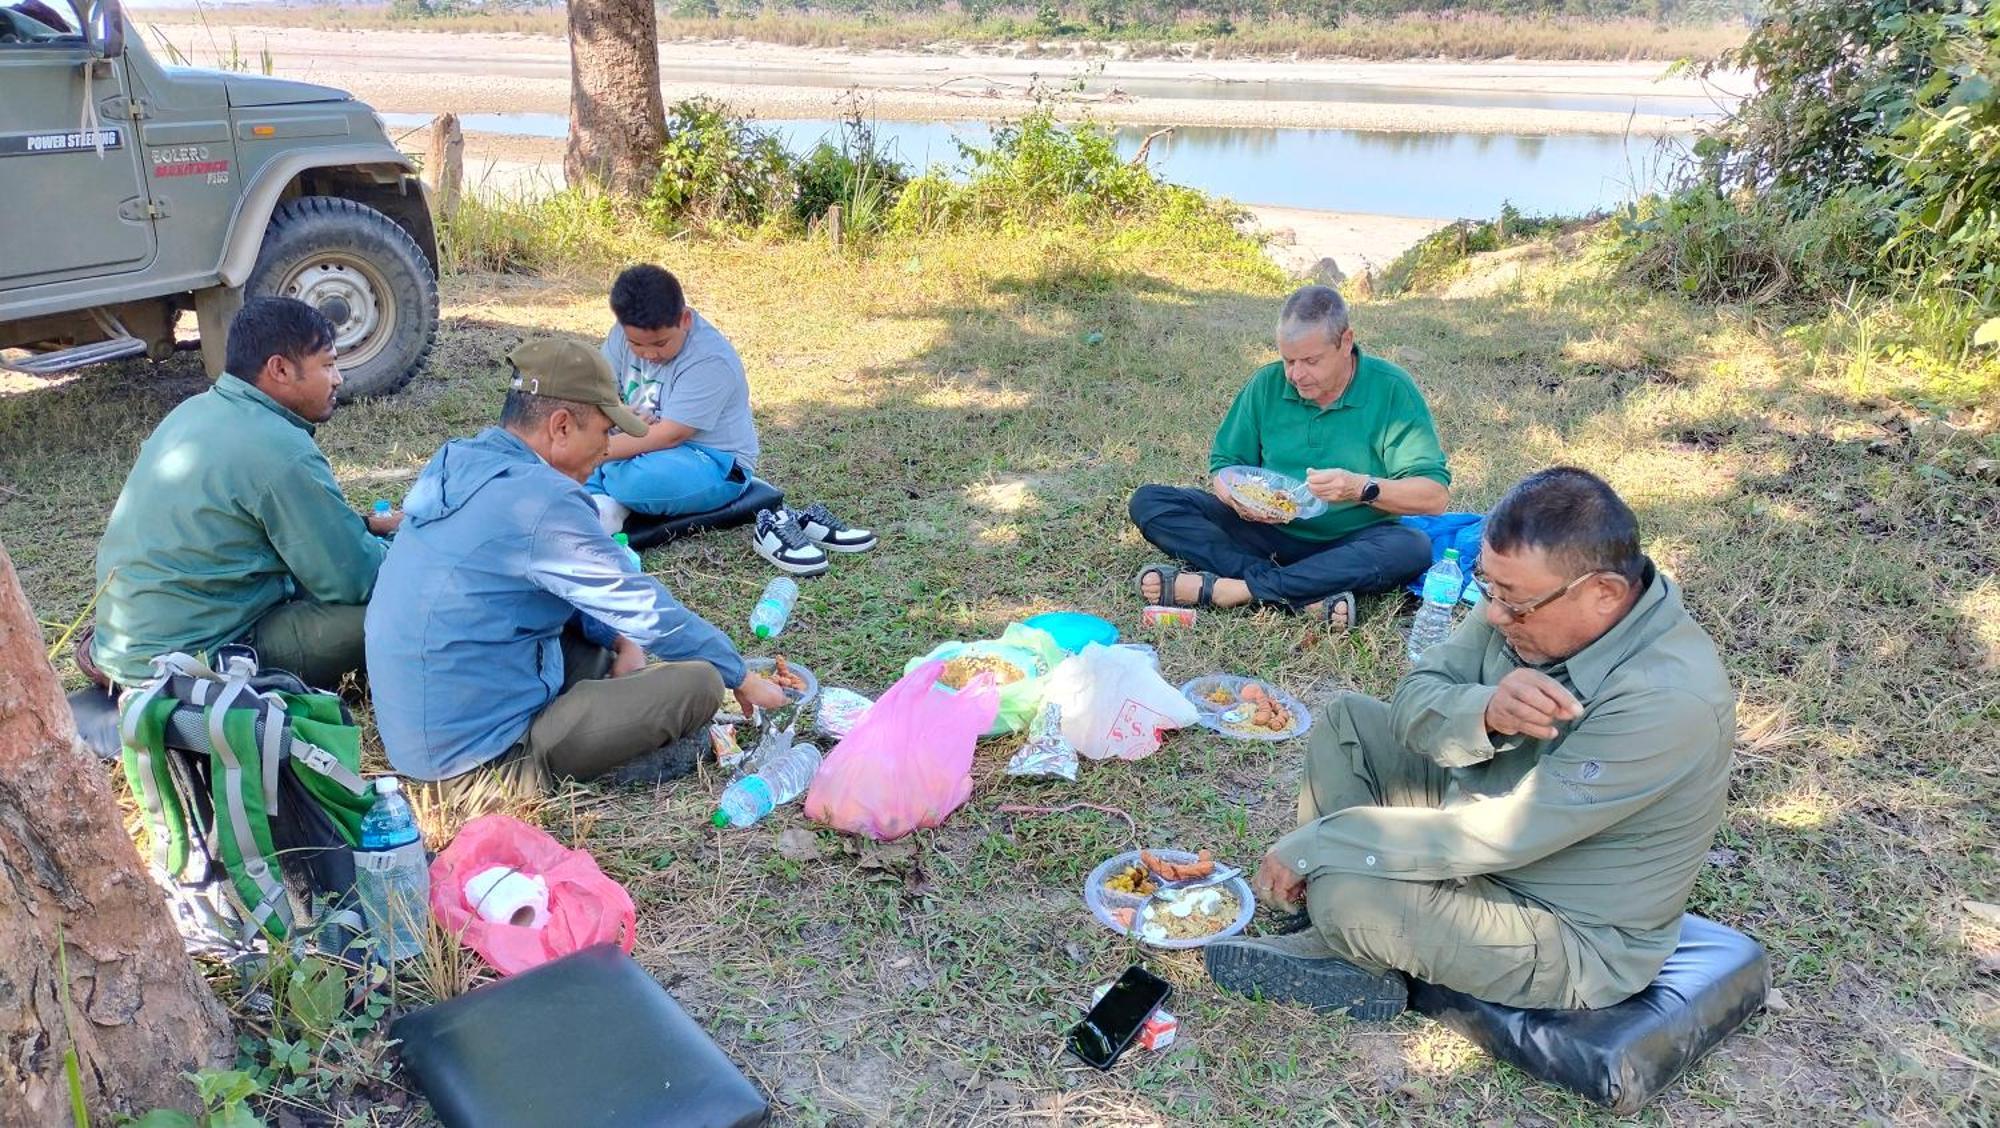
(1623, 1055)
(645, 532)
(586, 1041)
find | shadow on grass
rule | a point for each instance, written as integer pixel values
(993, 440)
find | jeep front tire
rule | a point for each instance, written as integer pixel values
(369, 278)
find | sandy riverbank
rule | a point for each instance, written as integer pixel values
(426, 72)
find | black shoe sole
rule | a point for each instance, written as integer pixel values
(667, 762)
(791, 567)
(832, 547)
(1284, 924)
(1327, 984)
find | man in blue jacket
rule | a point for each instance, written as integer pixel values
(507, 625)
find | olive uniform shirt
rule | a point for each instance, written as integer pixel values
(1606, 825)
(230, 510)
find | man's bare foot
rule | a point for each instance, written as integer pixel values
(1187, 589)
(1344, 614)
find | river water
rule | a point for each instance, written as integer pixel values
(1421, 175)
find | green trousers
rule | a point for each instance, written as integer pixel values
(320, 642)
(1473, 934)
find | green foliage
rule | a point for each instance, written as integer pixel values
(1036, 170)
(1944, 159)
(531, 233)
(310, 1047)
(1867, 164)
(1439, 255)
(856, 174)
(1750, 248)
(717, 168)
(225, 1103)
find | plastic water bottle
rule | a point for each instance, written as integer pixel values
(1442, 585)
(382, 511)
(631, 555)
(391, 875)
(774, 607)
(776, 782)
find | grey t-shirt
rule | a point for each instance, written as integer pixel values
(702, 387)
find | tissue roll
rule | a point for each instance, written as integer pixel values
(507, 896)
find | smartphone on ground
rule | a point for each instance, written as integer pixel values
(1118, 1017)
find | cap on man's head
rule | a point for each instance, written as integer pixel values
(570, 370)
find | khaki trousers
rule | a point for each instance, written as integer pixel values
(598, 722)
(1472, 934)
(320, 642)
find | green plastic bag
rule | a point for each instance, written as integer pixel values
(1032, 651)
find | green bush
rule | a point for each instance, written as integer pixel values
(717, 168)
(1750, 248)
(1867, 161)
(1039, 170)
(855, 174)
(572, 229)
(1438, 256)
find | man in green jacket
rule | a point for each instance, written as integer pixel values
(1352, 427)
(230, 528)
(1525, 820)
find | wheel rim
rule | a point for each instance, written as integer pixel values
(353, 295)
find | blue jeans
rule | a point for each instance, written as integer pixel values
(675, 482)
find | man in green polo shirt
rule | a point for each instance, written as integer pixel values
(1525, 820)
(1356, 430)
(230, 527)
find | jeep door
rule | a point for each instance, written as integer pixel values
(73, 196)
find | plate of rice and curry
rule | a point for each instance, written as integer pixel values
(1269, 494)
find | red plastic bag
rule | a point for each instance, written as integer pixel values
(908, 763)
(585, 907)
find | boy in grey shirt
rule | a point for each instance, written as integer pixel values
(683, 378)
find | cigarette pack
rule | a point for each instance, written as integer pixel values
(1161, 1026)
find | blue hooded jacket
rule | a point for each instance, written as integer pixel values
(496, 554)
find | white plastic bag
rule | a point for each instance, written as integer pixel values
(1114, 704)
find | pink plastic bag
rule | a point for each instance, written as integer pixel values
(585, 907)
(908, 763)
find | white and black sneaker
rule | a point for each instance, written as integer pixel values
(830, 532)
(779, 539)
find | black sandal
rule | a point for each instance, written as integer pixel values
(1169, 576)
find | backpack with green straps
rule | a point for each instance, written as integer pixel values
(250, 789)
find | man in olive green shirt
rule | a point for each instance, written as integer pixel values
(230, 527)
(1525, 820)
(1356, 430)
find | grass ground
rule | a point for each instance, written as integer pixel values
(1382, 39)
(1837, 541)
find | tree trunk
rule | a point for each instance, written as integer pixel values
(139, 1012)
(616, 122)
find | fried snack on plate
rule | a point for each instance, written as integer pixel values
(1166, 870)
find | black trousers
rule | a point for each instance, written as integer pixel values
(1196, 527)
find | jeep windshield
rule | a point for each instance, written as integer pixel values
(35, 21)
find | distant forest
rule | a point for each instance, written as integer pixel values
(1113, 15)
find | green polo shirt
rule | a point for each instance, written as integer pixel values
(230, 510)
(1379, 426)
(1607, 824)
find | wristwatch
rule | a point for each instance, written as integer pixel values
(1370, 492)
